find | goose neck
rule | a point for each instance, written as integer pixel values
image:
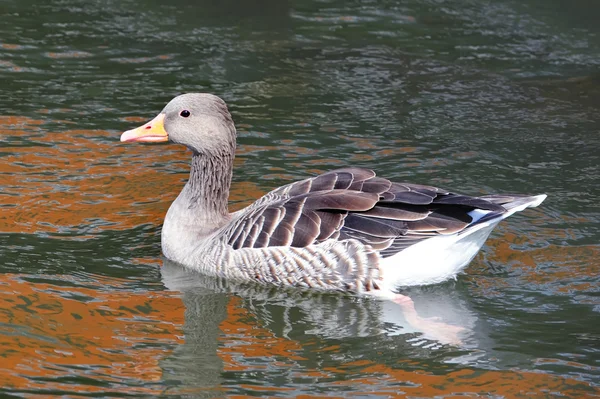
(208, 186)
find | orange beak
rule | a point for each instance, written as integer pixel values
(152, 132)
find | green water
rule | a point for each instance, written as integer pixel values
(478, 97)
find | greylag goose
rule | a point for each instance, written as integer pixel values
(343, 230)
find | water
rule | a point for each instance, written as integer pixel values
(474, 96)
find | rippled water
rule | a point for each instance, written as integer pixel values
(478, 97)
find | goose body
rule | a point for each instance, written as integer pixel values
(343, 230)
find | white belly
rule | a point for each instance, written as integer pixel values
(435, 259)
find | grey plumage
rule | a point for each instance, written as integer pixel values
(352, 203)
(333, 231)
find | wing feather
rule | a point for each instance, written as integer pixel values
(298, 188)
(353, 203)
(375, 227)
(282, 236)
(405, 213)
(253, 234)
(411, 197)
(342, 199)
(261, 242)
(324, 182)
(306, 231)
(473, 202)
(331, 223)
(376, 185)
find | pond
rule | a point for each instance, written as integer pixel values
(477, 97)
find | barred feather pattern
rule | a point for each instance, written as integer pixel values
(352, 203)
(333, 265)
(338, 230)
(332, 231)
(329, 266)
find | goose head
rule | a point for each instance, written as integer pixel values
(200, 121)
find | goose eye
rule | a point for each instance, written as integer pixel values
(185, 113)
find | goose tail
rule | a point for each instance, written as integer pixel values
(437, 259)
(515, 203)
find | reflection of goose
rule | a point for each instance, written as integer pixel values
(292, 312)
(343, 230)
(196, 363)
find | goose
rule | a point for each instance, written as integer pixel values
(344, 230)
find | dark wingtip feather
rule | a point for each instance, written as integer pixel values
(342, 200)
(353, 203)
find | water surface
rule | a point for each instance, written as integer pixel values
(476, 97)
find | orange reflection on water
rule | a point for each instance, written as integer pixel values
(87, 180)
(243, 194)
(468, 382)
(10, 46)
(54, 181)
(267, 345)
(565, 268)
(10, 65)
(69, 54)
(109, 333)
(363, 377)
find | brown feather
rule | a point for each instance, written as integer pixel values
(376, 185)
(437, 225)
(282, 235)
(385, 212)
(353, 203)
(306, 230)
(358, 173)
(342, 200)
(330, 223)
(412, 197)
(344, 180)
(324, 182)
(375, 227)
(473, 202)
(298, 188)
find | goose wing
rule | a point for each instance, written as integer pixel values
(352, 203)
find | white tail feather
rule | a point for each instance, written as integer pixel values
(440, 258)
